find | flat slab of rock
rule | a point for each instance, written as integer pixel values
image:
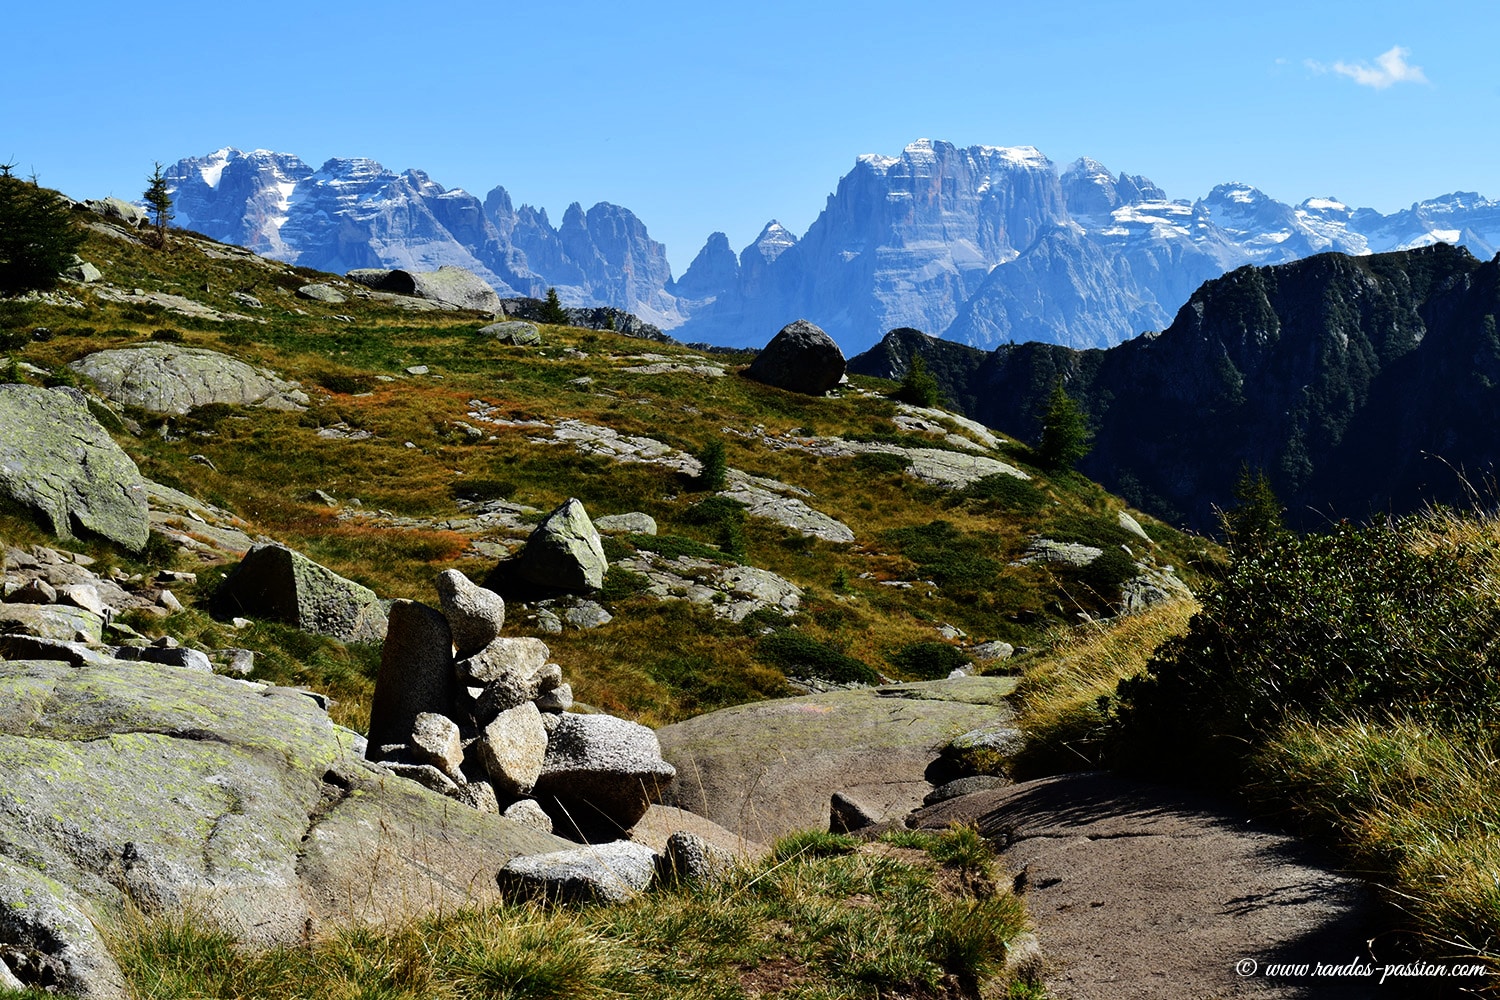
(767, 769)
(57, 460)
(1141, 891)
(166, 378)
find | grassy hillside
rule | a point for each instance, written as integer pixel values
(419, 452)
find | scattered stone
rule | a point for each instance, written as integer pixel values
(691, 858)
(564, 552)
(169, 600)
(119, 210)
(169, 378)
(247, 300)
(417, 370)
(320, 292)
(847, 814)
(276, 582)
(475, 615)
(58, 622)
(548, 623)
(587, 615)
(56, 459)
(517, 332)
(423, 774)
(555, 700)
(239, 661)
(513, 748)
(992, 650)
(801, 358)
(189, 659)
(508, 672)
(1133, 526)
(528, 811)
(607, 872)
(480, 795)
(601, 774)
(633, 523)
(435, 740)
(82, 271)
(1075, 554)
(26, 647)
(416, 672)
(964, 786)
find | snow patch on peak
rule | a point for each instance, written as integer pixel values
(1324, 205)
(211, 167)
(1020, 156)
(879, 161)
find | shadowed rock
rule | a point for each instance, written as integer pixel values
(801, 358)
(600, 776)
(416, 673)
(610, 873)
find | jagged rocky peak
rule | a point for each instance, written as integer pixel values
(713, 272)
(773, 241)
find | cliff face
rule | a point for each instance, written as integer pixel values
(1360, 385)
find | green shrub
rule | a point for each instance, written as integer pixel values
(797, 655)
(1108, 573)
(620, 583)
(1002, 491)
(1324, 626)
(672, 546)
(918, 388)
(953, 559)
(928, 660)
(715, 466)
(881, 462)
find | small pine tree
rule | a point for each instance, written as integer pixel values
(1066, 437)
(919, 388)
(159, 204)
(38, 236)
(715, 466)
(1255, 520)
(553, 312)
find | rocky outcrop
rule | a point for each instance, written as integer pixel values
(165, 378)
(801, 358)
(449, 285)
(237, 801)
(276, 582)
(767, 769)
(56, 460)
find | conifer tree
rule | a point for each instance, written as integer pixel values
(159, 204)
(1255, 520)
(919, 388)
(38, 236)
(1066, 437)
(553, 312)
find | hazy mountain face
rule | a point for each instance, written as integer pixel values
(984, 245)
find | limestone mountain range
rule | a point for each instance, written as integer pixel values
(983, 245)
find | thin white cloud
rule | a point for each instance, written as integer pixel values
(1390, 67)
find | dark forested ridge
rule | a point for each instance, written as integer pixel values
(1360, 385)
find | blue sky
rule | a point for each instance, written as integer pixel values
(703, 117)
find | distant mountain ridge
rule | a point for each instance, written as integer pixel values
(1361, 386)
(983, 245)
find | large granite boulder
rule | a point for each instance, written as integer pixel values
(416, 674)
(169, 791)
(610, 873)
(801, 358)
(119, 210)
(770, 768)
(564, 552)
(276, 582)
(600, 776)
(57, 460)
(475, 614)
(166, 378)
(448, 285)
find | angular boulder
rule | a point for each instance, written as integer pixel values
(600, 776)
(801, 358)
(57, 460)
(506, 673)
(166, 378)
(279, 583)
(564, 552)
(513, 748)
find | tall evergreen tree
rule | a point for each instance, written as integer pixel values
(1066, 437)
(38, 236)
(159, 204)
(1255, 520)
(553, 312)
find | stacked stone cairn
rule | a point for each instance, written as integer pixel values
(484, 719)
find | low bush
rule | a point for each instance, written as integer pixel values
(927, 660)
(797, 655)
